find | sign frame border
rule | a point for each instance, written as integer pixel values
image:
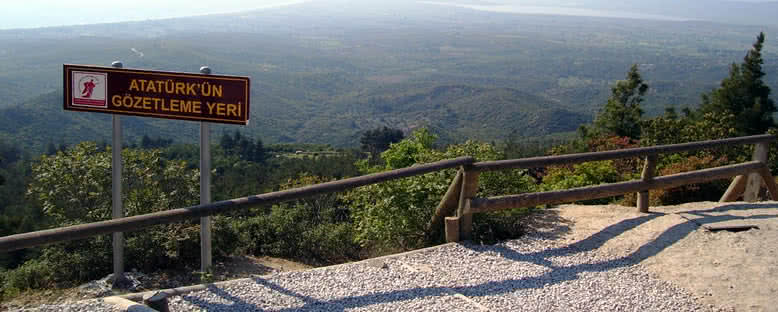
(68, 92)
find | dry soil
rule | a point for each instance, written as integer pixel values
(736, 270)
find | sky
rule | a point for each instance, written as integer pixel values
(46, 13)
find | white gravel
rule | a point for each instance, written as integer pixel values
(85, 305)
(528, 274)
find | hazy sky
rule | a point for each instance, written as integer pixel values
(42, 13)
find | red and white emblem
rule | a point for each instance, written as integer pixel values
(89, 89)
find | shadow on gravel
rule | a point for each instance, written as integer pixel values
(548, 224)
(735, 207)
(206, 305)
(556, 275)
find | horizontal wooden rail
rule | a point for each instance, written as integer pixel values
(538, 162)
(134, 223)
(478, 205)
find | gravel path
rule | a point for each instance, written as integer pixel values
(528, 274)
(84, 305)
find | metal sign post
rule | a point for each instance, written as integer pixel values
(205, 188)
(116, 190)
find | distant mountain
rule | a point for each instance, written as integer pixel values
(731, 12)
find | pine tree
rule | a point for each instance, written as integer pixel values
(378, 140)
(744, 94)
(621, 115)
(259, 155)
(226, 142)
(146, 142)
(51, 149)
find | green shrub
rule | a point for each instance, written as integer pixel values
(292, 231)
(253, 234)
(32, 274)
(315, 230)
(493, 227)
(330, 243)
(584, 174)
(394, 214)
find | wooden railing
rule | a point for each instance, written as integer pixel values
(460, 198)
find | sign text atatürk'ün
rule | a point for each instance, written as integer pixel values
(198, 97)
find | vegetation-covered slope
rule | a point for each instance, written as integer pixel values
(324, 74)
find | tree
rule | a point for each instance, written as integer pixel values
(145, 142)
(51, 149)
(243, 147)
(621, 115)
(9, 154)
(226, 142)
(744, 94)
(148, 143)
(259, 155)
(378, 140)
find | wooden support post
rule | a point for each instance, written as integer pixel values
(447, 207)
(768, 179)
(452, 229)
(734, 190)
(754, 182)
(469, 189)
(649, 170)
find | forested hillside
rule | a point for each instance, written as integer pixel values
(323, 74)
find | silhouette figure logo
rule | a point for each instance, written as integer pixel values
(89, 89)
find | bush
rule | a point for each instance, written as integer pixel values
(32, 274)
(330, 243)
(393, 215)
(584, 174)
(291, 231)
(315, 230)
(709, 191)
(493, 227)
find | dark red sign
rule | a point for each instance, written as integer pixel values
(199, 97)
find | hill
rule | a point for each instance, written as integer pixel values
(454, 111)
(40, 121)
(323, 73)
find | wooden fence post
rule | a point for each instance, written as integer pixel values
(649, 170)
(447, 207)
(754, 182)
(452, 229)
(469, 189)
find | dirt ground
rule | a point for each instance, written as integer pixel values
(680, 244)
